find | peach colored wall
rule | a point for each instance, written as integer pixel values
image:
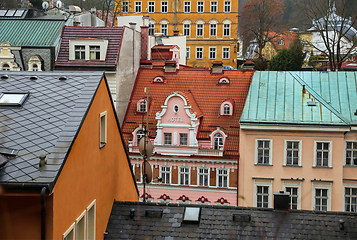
(247, 169)
(92, 173)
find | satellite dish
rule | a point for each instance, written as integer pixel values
(58, 4)
(145, 146)
(148, 171)
(45, 5)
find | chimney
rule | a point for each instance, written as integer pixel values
(132, 25)
(176, 32)
(217, 67)
(158, 38)
(144, 42)
(170, 66)
(281, 200)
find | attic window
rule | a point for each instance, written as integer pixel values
(192, 214)
(13, 98)
(142, 106)
(159, 80)
(226, 109)
(280, 41)
(224, 80)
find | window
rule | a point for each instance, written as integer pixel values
(263, 151)
(199, 52)
(293, 192)
(151, 7)
(139, 135)
(183, 139)
(80, 52)
(218, 141)
(227, 6)
(35, 67)
(167, 138)
(138, 7)
(184, 175)
(262, 196)
(188, 53)
(151, 29)
(13, 98)
(186, 30)
(322, 156)
(199, 30)
(142, 106)
(213, 30)
(69, 234)
(91, 219)
(187, 7)
(225, 52)
(226, 109)
(280, 41)
(203, 176)
(125, 7)
(350, 199)
(212, 53)
(164, 29)
(321, 199)
(6, 67)
(94, 52)
(165, 174)
(351, 153)
(226, 30)
(222, 176)
(213, 6)
(164, 7)
(200, 7)
(103, 129)
(292, 153)
(81, 226)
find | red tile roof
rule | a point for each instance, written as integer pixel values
(201, 88)
(113, 34)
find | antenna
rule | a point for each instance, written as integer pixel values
(58, 4)
(45, 5)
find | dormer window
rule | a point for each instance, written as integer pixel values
(158, 80)
(6, 67)
(35, 67)
(280, 41)
(80, 53)
(142, 106)
(227, 108)
(88, 49)
(139, 135)
(94, 52)
(224, 80)
(218, 141)
(218, 138)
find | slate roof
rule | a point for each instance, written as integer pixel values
(277, 98)
(112, 34)
(31, 33)
(46, 124)
(218, 222)
(198, 84)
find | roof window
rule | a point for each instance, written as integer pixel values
(13, 98)
(158, 80)
(192, 214)
(224, 80)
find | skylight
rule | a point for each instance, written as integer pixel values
(19, 12)
(10, 13)
(13, 98)
(2, 13)
(192, 214)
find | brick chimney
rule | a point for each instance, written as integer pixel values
(144, 42)
(176, 32)
(217, 67)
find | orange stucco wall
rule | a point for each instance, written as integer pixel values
(93, 173)
(334, 176)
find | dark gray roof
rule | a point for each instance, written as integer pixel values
(216, 222)
(46, 124)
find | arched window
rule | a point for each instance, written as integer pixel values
(34, 67)
(159, 79)
(6, 67)
(142, 105)
(218, 141)
(226, 109)
(139, 135)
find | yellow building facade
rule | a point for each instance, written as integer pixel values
(211, 27)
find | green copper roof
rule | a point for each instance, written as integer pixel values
(34, 33)
(327, 98)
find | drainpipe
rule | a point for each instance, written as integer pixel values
(43, 214)
(175, 14)
(238, 178)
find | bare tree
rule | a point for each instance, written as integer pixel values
(333, 34)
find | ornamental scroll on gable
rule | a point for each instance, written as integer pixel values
(7, 58)
(177, 119)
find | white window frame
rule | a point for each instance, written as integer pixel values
(91, 207)
(212, 53)
(188, 52)
(151, 29)
(125, 7)
(102, 44)
(218, 175)
(138, 6)
(203, 174)
(186, 29)
(200, 8)
(164, 29)
(169, 172)
(270, 151)
(214, 6)
(201, 52)
(221, 137)
(199, 30)
(226, 29)
(184, 173)
(299, 152)
(318, 186)
(344, 196)
(345, 153)
(83, 218)
(94, 52)
(213, 30)
(187, 6)
(164, 6)
(227, 6)
(225, 52)
(329, 153)
(70, 230)
(294, 185)
(151, 7)
(103, 131)
(270, 192)
(81, 50)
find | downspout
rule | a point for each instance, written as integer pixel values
(175, 14)
(238, 178)
(43, 214)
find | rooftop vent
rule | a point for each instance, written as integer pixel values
(63, 78)
(33, 78)
(5, 77)
(311, 103)
(241, 217)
